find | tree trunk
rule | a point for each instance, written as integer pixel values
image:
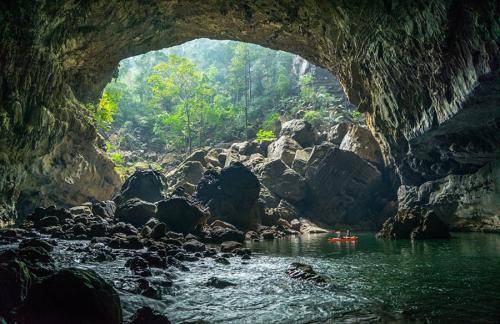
(247, 93)
(190, 137)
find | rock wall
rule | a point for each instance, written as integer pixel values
(468, 202)
(410, 66)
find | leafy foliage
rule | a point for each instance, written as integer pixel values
(265, 136)
(103, 112)
(356, 115)
(205, 92)
(314, 117)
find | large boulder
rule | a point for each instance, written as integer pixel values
(284, 149)
(246, 148)
(146, 315)
(269, 199)
(468, 202)
(40, 213)
(180, 215)
(135, 211)
(212, 158)
(343, 188)
(299, 130)
(300, 160)
(72, 296)
(198, 156)
(221, 234)
(283, 210)
(337, 133)
(104, 209)
(147, 185)
(254, 161)
(231, 195)
(414, 224)
(283, 181)
(360, 141)
(15, 280)
(186, 175)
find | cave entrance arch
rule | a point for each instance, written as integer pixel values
(410, 66)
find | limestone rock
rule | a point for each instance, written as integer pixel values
(180, 215)
(299, 130)
(230, 246)
(284, 149)
(212, 158)
(186, 175)
(414, 224)
(15, 279)
(40, 212)
(337, 133)
(83, 210)
(283, 181)
(360, 141)
(464, 202)
(223, 234)
(304, 272)
(246, 148)
(254, 161)
(147, 185)
(194, 246)
(222, 224)
(104, 209)
(219, 283)
(300, 161)
(146, 315)
(286, 211)
(231, 195)
(72, 296)
(269, 199)
(343, 187)
(198, 156)
(135, 211)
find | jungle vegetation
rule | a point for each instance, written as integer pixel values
(206, 92)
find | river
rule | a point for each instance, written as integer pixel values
(456, 280)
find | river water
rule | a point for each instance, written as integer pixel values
(456, 280)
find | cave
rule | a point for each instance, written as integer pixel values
(425, 74)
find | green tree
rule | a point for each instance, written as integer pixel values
(241, 78)
(177, 82)
(106, 108)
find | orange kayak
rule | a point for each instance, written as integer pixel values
(343, 239)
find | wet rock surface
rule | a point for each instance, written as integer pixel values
(146, 315)
(180, 214)
(146, 185)
(135, 211)
(72, 296)
(231, 195)
(304, 272)
(219, 283)
(35, 284)
(416, 225)
(343, 187)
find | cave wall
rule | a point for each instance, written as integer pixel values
(411, 66)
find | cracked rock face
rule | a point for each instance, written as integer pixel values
(466, 202)
(418, 69)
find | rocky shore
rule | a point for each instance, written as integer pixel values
(152, 236)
